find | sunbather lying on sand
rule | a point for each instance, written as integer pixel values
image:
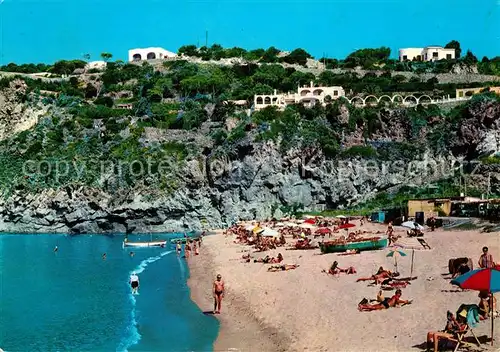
(283, 267)
(390, 283)
(335, 270)
(267, 259)
(386, 303)
(379, 277)
(351, 252)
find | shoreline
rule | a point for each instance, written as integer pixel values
(240, 329)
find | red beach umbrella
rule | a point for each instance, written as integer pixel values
(346, 226)
(323, 230)
(310, 221)
(487, 279)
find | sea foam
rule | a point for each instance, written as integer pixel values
(133, 337)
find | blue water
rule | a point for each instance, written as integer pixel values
(73, 300)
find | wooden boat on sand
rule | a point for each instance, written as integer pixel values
(362, 244)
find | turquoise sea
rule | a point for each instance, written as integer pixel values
(73, 300)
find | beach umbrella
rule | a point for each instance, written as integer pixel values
(481, 280)
(412, 225)
(307, 226)
(323, 230)
(396, 253)
(258, 229)
(341, 217)
(267, 232)
(346, 226)
(310, 221)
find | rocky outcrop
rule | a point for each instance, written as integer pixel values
(15, 115)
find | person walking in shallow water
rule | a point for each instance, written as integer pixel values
(218, 293)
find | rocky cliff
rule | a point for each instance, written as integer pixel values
(257, 180)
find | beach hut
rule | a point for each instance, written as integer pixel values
(378, 216)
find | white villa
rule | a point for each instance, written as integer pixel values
(308, 95)
(429, 53)
(149, 54)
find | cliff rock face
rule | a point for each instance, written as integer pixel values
(257, 185)
(16, 116)
(259, 182)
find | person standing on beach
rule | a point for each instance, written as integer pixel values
(187, 249)
(178, 248)
(195, 248)
(218, 293)
(486, 259)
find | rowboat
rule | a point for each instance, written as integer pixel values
(145, 244)
(361, 245)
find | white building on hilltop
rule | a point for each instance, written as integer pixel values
(429, 53)
(141, 54)
(308, 95)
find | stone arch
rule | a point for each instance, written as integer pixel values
(275, 100)
(267, 100)
(304, 92)
(259, 100)
(317, 91)
(397, 101)
(425, 97)
(328, 98)
(389, 99)
(408, 98)
(373, 100)
(151, 56)
(137, 57)
(359, 99)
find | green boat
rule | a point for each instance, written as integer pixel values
(183, 239)
(331, 247)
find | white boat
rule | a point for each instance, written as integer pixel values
(145, 244)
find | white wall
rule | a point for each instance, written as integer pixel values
(441, 53)
(410, 53)
(159, 53)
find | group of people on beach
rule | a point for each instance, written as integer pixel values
(189, 245)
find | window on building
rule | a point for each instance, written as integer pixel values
(434, 54)
(425, 57)
(405, 57)
(460, 94)
(335, 93)
(448, 56)
(419, 57)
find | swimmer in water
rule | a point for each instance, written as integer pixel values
(134, 283)
(132, 254)
(104, 256)
(56, 249)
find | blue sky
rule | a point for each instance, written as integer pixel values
(49, 30)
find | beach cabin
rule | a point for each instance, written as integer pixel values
(429, 207)
(378, 216)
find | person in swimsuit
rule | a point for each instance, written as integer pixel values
(385, 304)
(218, 293)
(56, 249)
(452, 325)
(187, 249)
(134, 283)
(195, 248)
(379, 277)
(178, 247)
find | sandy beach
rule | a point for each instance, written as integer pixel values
(305, 309)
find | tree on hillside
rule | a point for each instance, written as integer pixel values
(470, 58)
(86, 57)
(368, 57)
(298, 56)
(106, 56)
(454, 45)
(270, 55)
(188, 50)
